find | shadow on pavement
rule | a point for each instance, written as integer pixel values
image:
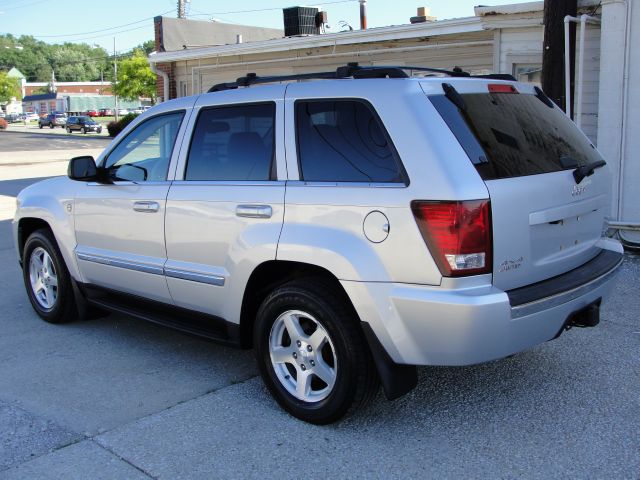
(11, 188)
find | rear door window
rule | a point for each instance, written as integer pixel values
(344, 141)
(233, 143)
(512, 135)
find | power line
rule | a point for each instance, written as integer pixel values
(16, 7)
(110, 34)
(265, 9)
(102, 30)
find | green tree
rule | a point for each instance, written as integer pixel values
(9, 87)
(147, 47)
(35, 58)
(135, 78)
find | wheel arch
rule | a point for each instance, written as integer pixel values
(271, 274)
(26, 226)
(396, 379)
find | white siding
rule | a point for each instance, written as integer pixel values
(591, 80)
(520, 46)
(472, 52)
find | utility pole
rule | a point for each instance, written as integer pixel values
(181, 9)
(553, 48)
(115, 77)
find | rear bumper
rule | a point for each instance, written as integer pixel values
(419, 325)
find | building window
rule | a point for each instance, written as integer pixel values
(529, 73)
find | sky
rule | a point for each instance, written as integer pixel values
(130, 22)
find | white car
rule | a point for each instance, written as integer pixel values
(123, 111)
(348, 229)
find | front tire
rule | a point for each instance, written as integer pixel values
(311, 353)
(68, 130)
(47, 279)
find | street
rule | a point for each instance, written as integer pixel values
(116, 397)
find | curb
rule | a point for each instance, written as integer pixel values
(51, 133)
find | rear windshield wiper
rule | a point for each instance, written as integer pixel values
(585, 170)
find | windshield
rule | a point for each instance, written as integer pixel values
(513, 135)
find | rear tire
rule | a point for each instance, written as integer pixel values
(68, 130)
(47, 279)
(40, 125)
(84, 130)
(306, 332)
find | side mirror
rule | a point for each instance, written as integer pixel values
(82, 169)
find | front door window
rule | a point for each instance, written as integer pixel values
(145, 153)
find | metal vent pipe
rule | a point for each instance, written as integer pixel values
(363, 14)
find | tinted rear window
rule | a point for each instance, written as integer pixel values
(514, 135)
(233, 143)
(344, 141)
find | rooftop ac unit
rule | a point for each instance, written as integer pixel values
(300, 21)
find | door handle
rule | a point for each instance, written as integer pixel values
(146, 207)
(254, 211)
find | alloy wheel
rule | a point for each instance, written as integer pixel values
(303, 356)
(43, 278)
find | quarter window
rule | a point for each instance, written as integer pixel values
(233, 143)
(145, 153)
(344, 141)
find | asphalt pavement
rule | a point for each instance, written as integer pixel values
(119, 398)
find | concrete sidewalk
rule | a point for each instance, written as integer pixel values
(120, 398)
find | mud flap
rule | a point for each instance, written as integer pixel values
(396, 379)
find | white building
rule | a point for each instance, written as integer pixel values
(504, 39)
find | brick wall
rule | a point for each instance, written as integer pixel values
(168, 69)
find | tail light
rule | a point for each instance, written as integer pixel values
(458, 235)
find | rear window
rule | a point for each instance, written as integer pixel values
(513, 135)
(234, 143)
(344, 141)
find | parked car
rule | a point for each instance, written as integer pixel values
(83, 124)
(105, 112)
(53, 120)
(31, 117)
(137, 111)
(2, 114)
(123, 111)
(13, 118)
(91, 113)
(347, 229)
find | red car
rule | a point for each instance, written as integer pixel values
(105, 112)
(92, 113)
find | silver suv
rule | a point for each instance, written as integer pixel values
(347, 229)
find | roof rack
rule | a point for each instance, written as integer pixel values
(351, 70)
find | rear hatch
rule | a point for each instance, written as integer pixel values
(546, 219)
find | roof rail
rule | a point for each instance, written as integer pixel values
(351, 70)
